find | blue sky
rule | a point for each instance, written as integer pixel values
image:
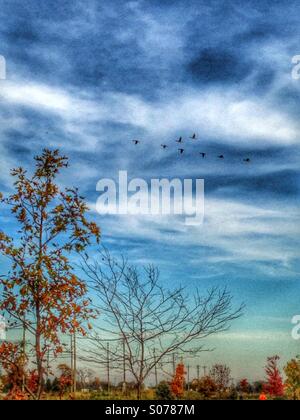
(89, 76)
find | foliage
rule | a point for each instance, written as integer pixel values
(13, 364)
(48, 385)
(258, 387)
(55, 385)
(206, 386)
(193, 396)
(96, 384)
(40, 291)
(33, 381)
(65, 379)
(292, 372)
(244, 386)
(163, 391)
(233, 394)
(177, 384)
(274, 385)
(221, 375)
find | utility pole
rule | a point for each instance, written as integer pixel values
(124, 366)
(188, 377)
(174, 364)
(204, 370)
(75, 362)
(108, 369)
(155, 368)
(72, 362)
(198, 372)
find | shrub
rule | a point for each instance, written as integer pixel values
(163, 391)
(193, 396)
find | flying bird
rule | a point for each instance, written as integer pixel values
(164, 146)
(179, 140)
(203, 154)
(221, 157)
(247, 160)
(136, 142)
(181, 151)
(194, 136)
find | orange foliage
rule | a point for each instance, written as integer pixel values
(33, 381)
(13, 363)
(177, 384)
(65, 379)
(53, 224)
(244, 385)
(274, 385)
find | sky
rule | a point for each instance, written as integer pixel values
(89, 76)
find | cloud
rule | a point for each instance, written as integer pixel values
(212, 112)
(237, 232)
(219, 66)
(43, 97)
(255, 335)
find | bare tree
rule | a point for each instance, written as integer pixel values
(138, 311)
(85, 376)
(221, 374)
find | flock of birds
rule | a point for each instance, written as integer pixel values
(182, 150)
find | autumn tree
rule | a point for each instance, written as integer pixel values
(33, 381)
(258, 386)
(13, 364)
(141, 315)
(96, 384)
(274, 384)
(221, 375)
(65, 380)
(292, 383)
(177, 384)
(206, 386)
(244, 386)
(40, 291)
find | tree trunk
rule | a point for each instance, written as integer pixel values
(139, 390)
(24, 356)
(38, 352)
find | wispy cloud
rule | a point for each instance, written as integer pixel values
(238, 232)
(212, 112)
